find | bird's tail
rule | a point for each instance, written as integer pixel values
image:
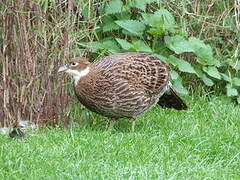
(171, 99)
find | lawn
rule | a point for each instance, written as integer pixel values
(201, 143)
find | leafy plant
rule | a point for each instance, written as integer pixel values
(134, 27)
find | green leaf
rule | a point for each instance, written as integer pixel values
(236, 81)
(161, 21)
(155, 31)
(114, 6)
(109, 24)
(167, 16)
(226, 77)
(106, 44)
(111, 46)
(238, 100)
(174, 75)
(124, 44)
(203, 52)
(231, 91)
(207, 81)
(178, 44)
(235, 64)
(139, 45)
(153, 20)
(162, 58)
(177, 84)
(182, 65)
(134, 27)
(199, 71)
(212, 71)
(140, 4)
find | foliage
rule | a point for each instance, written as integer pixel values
(199, 39)
(136, 26)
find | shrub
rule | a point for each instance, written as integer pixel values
(148, 26)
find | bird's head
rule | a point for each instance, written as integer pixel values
(77, 68)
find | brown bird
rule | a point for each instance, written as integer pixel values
(123, 85)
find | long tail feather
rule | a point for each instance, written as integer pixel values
(171, 99)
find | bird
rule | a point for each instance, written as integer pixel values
(123, 85)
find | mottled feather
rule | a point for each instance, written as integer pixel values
(124, 85)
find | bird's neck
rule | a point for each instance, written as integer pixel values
(85, 76)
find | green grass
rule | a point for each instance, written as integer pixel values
(202, 143)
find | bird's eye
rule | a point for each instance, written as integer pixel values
(74, 63)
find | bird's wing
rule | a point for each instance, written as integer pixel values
(143, 71)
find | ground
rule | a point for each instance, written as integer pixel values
(201, 143)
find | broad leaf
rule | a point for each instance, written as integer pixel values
(106, 44)
(231, 91)
(139, 45)
(124, 44)
(182, 65)
(212, 71)
(135, 27)
(236, 81)
(226, 77)
(114, 6)
(161, 21)
(167, 17)
(207, 81)
(178, 44)
(174, 75)
(140, 4)
(185, 66)
(177, 84)
(238, 100)
(203, 51)
(155, 31)
(111, 46)
(109, 24)
(162, 58)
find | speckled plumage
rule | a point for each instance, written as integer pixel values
(125, 85)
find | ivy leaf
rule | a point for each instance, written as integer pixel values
(231, 91)
(207, 81)
(114, 6)
(134, 27)
(236, 81)
(124, 44)
(212, 71)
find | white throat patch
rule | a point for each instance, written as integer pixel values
(77, 75)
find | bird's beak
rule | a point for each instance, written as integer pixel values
(62, 68)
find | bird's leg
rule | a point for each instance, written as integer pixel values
(112, 122)
(133, 120)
